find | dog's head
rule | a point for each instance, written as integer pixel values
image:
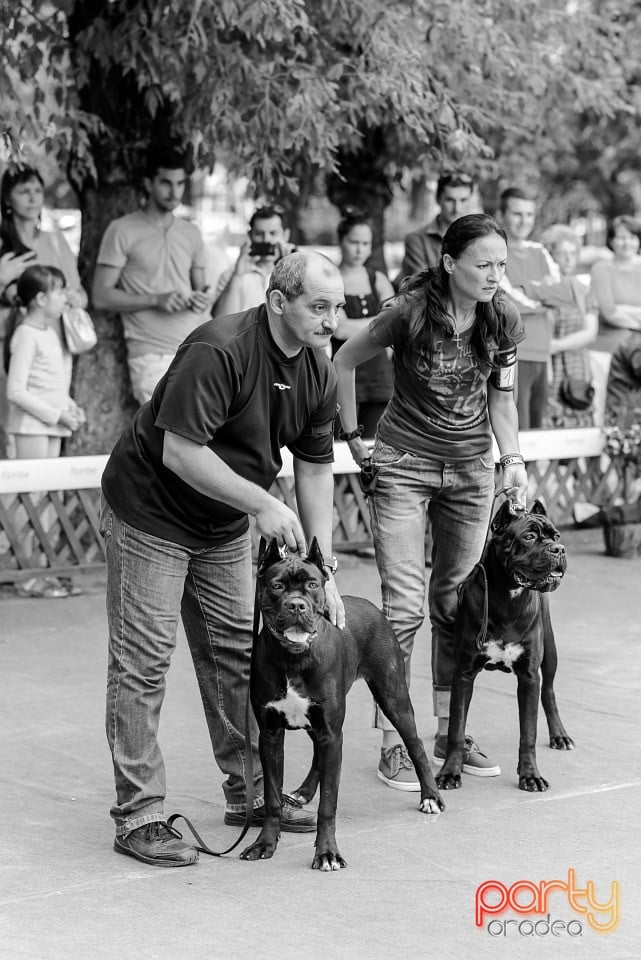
(291, 594)
(526, 544)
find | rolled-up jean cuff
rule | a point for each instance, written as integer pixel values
(441, 699)
(132, 823)
(241, 807)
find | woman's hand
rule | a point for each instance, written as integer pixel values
(515, 482)
(359, 450)
(13, 265)
(335, 607)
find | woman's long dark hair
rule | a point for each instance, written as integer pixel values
(427, 297)
(10, 242)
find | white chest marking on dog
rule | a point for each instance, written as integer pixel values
(507, 654)
(293, 707)
(516, 592)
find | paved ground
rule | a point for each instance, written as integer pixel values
(411, 882)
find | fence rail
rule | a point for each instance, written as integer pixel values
(49, 508)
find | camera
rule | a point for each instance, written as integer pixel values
(262, 249)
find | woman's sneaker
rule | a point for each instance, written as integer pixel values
(397, 770)
(475, 761)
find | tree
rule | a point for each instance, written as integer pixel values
(355, 89)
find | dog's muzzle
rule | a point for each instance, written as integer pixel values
(295, 625)
(549, 578)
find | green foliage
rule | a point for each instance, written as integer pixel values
(283, 85)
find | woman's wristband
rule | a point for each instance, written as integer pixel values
(358, 432)
(510, 458)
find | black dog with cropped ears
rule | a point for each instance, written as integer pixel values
(302, 668)
(503, 623)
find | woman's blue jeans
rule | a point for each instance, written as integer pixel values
(458, 500)
(150, 584)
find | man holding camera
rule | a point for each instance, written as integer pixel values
(243, 286)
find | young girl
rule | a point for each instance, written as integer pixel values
(41, 410)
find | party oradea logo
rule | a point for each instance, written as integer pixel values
(534, 905)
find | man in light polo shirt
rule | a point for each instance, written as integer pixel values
(151, 270)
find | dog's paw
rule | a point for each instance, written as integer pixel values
(448, 781)
(301, 797)
(328, 860)
(561, 741)
(432, 805)
(533, 783)
(260, 850)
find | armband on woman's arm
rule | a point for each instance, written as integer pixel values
(503, 377)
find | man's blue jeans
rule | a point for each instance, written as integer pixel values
(458, 499)
(150, 584)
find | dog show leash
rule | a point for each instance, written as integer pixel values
(201, 846)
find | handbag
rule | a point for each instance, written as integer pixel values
(78, 329)
(576, 393)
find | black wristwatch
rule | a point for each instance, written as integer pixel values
(332, 565)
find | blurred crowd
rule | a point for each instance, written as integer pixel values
(152, 270)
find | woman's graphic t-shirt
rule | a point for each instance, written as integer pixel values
(439, 412)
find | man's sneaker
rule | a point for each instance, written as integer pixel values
(474, 761)
(293, 817)
(158, 844)
(397, 770)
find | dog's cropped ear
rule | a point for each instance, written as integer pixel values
(315, 556)
(502, 518)
(270, 556)
(538, 507)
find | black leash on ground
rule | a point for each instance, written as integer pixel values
(249, 761)
(481, 636)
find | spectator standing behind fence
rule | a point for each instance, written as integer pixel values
(365, 291)
(616, 284)
(41, 410)
(454, 336)
(244, 285)
(528, 261)
(151, 270)
(575, 327)
(23, 242)
(423, 247)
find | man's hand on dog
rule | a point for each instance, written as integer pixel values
(335, 608)
(275, 521)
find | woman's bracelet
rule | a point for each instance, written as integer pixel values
(358, 432)
(509, 458)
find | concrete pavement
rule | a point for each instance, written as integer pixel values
(410, 886)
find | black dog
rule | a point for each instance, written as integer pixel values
(302, 668)
(503, 623)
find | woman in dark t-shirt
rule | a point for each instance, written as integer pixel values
(365, 291)
(454, 339)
